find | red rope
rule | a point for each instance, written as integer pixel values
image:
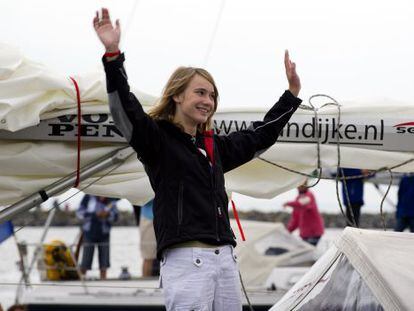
(236, 215)
(79, 131)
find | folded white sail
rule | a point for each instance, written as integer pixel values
(35, 153)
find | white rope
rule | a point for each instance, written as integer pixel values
(130, 19)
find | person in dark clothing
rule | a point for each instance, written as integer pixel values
(405, 205)
(97, 214)
(353, 193)
(137, 213)
(185, 162)
(17, 307)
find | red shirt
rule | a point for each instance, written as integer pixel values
(305, 216)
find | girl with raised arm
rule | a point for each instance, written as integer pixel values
(185, 162)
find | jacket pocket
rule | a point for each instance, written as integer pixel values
(180, 205)
(233, 254)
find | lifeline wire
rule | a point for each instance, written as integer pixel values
(245, 293)
(101, 286)
(76, 285)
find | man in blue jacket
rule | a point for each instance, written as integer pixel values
(97, 215)
(353, 193)
(405, 205)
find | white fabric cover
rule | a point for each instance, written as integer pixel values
(385, 262)
(29, 92)
(349, 289)
(378, 263)
(255, 264)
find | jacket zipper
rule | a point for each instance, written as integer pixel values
(180, 205)
(217, 209)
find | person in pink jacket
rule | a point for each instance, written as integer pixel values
(305, 216)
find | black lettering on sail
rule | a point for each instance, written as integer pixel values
(374, 134)
(67, 118)
(226, 129)
(216, 129)
(60, 129)
(95, 118)
(89, 130)
(243, 125)
(110, 130)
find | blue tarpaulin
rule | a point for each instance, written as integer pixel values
(6, 230)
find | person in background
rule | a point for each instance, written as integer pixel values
(405, 205)
(137, 213)
(305, 216)
(97, 214)
(148, 242)
(353, 193)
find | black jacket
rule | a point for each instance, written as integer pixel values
(190, 199)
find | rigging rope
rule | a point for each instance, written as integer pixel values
(213, 36)
(130, 20)
(338, 177)
(383, 199)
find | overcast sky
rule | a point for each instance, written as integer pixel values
(350, 50)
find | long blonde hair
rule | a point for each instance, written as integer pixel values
(176, 85)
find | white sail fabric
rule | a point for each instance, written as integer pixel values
(30, 93)
(364, 270)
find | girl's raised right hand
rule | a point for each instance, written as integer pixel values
(107, 33)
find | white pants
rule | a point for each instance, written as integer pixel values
(201, 279)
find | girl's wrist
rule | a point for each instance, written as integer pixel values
(294, 90)
(112, 48)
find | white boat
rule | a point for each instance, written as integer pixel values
(268, 246)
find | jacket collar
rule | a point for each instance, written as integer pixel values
(206, 138)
